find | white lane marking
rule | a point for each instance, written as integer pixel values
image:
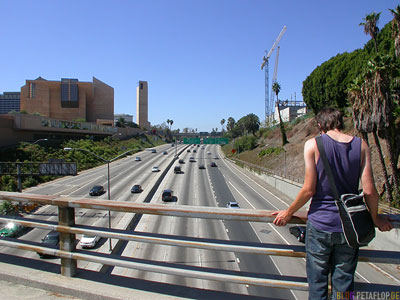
(362, 277)
(255, 183)
(255, 231)
(273, 227)
(384, 272)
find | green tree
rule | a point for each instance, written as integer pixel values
(370, 26)
(396, 29)
(277, 88)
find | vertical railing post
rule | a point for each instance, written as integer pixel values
(19, 178)
(66, 217)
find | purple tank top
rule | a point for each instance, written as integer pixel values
(345, 162)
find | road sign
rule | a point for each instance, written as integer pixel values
(218, 141)
(191, 140)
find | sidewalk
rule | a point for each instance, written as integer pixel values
(17, 282)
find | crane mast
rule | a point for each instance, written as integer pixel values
(272, 97)
(265, 65)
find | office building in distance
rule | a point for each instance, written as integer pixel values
(9, 101)
(69, 99)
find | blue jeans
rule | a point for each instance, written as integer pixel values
(328, 252)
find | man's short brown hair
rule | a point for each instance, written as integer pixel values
(329, 118)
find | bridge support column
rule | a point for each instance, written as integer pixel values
(66, 217)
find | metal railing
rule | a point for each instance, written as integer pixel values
(69, 254)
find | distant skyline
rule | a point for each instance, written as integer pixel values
(201, 59)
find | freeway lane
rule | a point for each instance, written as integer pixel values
(123, 173)
(190, 188)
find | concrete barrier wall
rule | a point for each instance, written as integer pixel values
(286, 186)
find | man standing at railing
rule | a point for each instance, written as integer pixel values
(326, 247)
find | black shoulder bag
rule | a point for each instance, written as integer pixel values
(357, 224)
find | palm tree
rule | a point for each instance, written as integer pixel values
(222, 124)
(276, 87)
(370, 26)
(170, 122)
(121, 122)
(230, 124)
(396, 29)
(373, 109)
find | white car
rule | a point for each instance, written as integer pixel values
(208, 153)
(137, 158)
(89, 241)
(232, 204)
(155, 169)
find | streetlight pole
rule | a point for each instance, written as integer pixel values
(108, 161)
(39, 140)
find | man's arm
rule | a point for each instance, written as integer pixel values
(308, 189)
(370, 193)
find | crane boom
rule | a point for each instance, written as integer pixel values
(277, 41)
(265, 58)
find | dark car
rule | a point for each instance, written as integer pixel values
(136, 189)
(96, 190)
(167, 195)
(181, 161)
(299, 232)
(188, 150)
(165, 153)
(177, 170)
(51, 240)
(213, 164)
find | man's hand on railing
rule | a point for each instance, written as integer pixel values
(282, 217)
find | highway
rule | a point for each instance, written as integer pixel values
(212, 186)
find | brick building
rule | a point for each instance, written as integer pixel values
(69, 99)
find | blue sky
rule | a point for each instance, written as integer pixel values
(201, 58)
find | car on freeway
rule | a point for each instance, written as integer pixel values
(97, 190)
(167, 195)
(52, 239)
(137, 158)
(299, 231)
(181, 161)
(202, 166)
(191, 159)
(89, 241)
(11, 230)
(172, 145)
(136, 189)
(194, 151)
(155, 169)
(232, 204)
(153, 151)
(188, 150)
(208, 153)
(213, 164)
(177, 170)
(215, 157)
(165, 153)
